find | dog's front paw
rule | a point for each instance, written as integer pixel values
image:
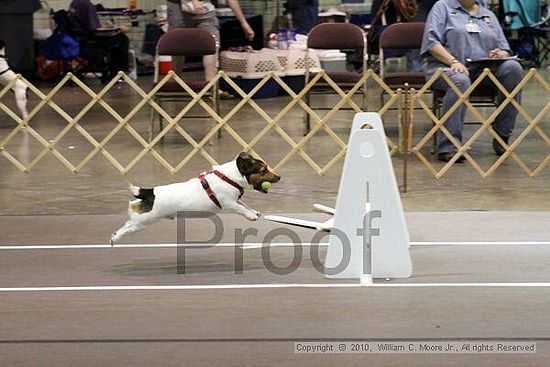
(253, 215)
(112, 239)
(257, 215)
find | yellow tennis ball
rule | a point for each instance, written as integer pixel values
(266, 185)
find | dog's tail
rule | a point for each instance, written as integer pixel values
(134, 190)
(145, 199)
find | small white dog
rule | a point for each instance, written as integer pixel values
(220, 188)
(7, 75)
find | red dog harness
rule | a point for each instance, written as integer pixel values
(208, 189)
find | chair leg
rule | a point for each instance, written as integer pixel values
(408, 143)
(212, 121)
(307, 117)
(435, 110)
(400, 123)
(407, 133)
(161, 123)
(152, 122)
(216, 103)
(365, 97)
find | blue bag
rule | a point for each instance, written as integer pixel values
(60, 46)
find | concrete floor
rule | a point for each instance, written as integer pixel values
(250, 327)
(258, 326)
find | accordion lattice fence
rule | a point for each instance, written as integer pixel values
(411, 99)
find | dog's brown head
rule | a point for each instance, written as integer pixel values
(256, 171)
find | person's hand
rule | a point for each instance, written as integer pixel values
(198, 6)
(124, 28)
(497, 53)
(457, 67)
(248, 31)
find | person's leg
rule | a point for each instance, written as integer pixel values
(509, 74)
(116, 47)
(119, 53)
(455, 122)
(210, 62)
(175, 20)
(175, 15)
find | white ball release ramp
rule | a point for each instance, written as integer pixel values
(368, 196)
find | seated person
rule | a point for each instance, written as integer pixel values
(86, 28)
(456, 31)
(202, 14)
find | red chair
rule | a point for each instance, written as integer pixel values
(330, 36)
(184, 42)
(401, 36)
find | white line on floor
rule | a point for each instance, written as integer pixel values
(481, 243)
(152, 245)
(441, 285)
(268, 286)
(177, 287)
(258, 245)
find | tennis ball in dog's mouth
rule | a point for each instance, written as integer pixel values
(266, 185)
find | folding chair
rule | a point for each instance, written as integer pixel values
(401, 36)
(186, 42)
(329, 36)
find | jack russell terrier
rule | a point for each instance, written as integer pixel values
(7, 75)
(220, 188)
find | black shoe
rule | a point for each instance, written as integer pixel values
(447, 156)
(499, 149)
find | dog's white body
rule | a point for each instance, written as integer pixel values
(19, 88)
(189, 196)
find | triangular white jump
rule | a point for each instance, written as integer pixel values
(368, 213)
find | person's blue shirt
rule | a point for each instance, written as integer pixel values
(446, 25)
